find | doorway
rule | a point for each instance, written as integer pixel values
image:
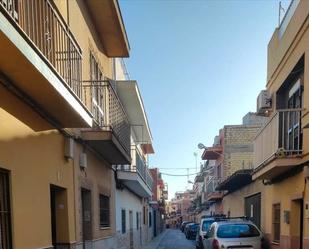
(59, 217)
(253, 209)
(86, 218)
(154, 223)
(297, 223)
(131, 229)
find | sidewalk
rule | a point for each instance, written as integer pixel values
(154, 244)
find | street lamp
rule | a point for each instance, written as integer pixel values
(201, 146)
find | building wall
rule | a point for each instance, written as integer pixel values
(286, 193)
(234, 203)
(79, 20)
(238, 147)
(98, 177)
(35, 160)
(129, 202)
(283, 54)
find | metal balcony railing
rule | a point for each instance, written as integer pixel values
(139, 166)
(101, 98)
(45, 30)
(280, 137)
(212, 184)
(283, 23)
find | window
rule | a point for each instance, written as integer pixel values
(206, 225)
(276, 222)
(5, 211)
(237, 231)
(123, 221)
(137, 221)
(150, 219)
(104, 211)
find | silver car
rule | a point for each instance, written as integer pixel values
(236, 234)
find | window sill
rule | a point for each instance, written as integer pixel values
(105, 228)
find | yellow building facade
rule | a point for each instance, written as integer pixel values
(281, 148)
(63, 125)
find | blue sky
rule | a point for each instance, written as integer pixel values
(200, 65)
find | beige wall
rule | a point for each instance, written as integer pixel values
(99, 179)
(235, 202)
(283, 54)
(82, 27)
(35, 160)
(238, 147)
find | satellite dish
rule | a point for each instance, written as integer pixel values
(201, 146)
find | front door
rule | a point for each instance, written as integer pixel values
(296, 217)
(131, 229)
(59, 217)
(253, 209)
(86, 218)
(154, 223)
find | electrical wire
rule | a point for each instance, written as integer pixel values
(179, 175)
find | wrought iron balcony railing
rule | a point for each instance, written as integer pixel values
(139, 166)
(43, 27)
(101, 98)
(280, 137)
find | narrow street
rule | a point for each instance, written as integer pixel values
(175, 239)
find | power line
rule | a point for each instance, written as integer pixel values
(179, 175)
(176, 168)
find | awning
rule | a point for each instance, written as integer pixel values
(236, 181)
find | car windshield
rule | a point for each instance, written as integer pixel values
(237, 231)
(206, 225)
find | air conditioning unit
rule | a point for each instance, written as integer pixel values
(263, 101)
(83, 160)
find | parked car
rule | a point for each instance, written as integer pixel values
(233, 233)
(183, 224)
(187, 227)
(204, 226)
(191, 230)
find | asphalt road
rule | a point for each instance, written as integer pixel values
(175, 239)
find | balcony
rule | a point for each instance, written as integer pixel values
(110, 136)
(108, 22)
(42, 60)
(278, 145)
(211, 193)
(212, 153)
(129, 94)
(136, 176)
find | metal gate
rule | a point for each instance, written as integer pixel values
(5, 211)
(253, 209)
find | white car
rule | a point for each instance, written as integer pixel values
(236, 234)
(203, 228)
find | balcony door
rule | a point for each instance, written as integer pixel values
(97, 86)
(86, 218)
(294, 127)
